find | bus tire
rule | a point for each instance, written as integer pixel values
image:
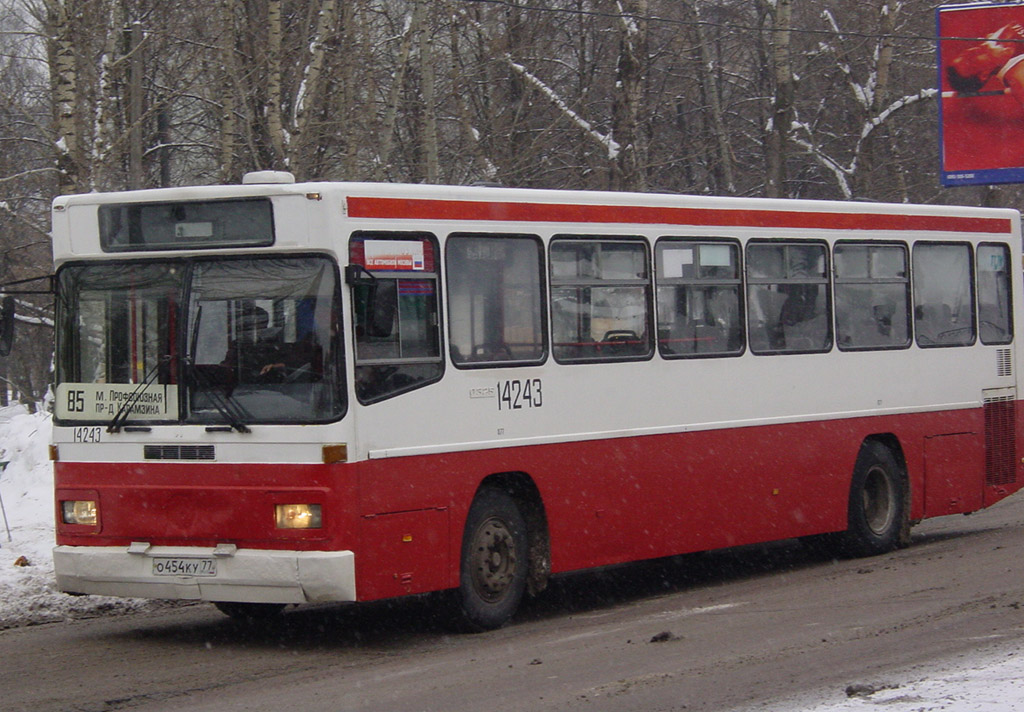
(877, 512)
(494, 564)
(249, 613)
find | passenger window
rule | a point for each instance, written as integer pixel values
(699, 306)
(600, 299)
(393, 277)
(995, 310)
(787, 298)
(872, 295)
(495, 299)
(943, 295)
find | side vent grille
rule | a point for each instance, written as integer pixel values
(178, 452)
(1004, 362)
(1000, 444)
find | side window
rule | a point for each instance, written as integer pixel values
(943, 294)
(872, 293)
(600, 299)
(495, 299)
(699, 308)
(995, 310)
(395, 306)
(787, 297)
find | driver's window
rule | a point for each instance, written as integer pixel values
(395, 310)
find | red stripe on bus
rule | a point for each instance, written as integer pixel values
(421, 209)
(606, 501)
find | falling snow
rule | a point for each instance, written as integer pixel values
(990, 682)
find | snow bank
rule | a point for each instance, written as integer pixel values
(991, 681)
(27, 592)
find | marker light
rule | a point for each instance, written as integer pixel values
(297, 516)
(79, 511)
(337, 452)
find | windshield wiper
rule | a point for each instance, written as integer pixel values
(126, 407)
(228, 407)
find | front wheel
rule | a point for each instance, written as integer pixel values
(494, 563)
(877, 514)
(250, 613)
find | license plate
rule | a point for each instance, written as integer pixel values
(168, 566)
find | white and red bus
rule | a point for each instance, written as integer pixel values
(277, 392)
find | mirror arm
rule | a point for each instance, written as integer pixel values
(354, 275)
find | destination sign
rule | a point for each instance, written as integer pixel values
(96, 401)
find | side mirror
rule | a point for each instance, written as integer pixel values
(6, 325)
(379, 299)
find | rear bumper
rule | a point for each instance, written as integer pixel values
(245, 575)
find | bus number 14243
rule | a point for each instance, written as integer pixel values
(517, 394)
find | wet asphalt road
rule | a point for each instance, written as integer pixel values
(704, 632)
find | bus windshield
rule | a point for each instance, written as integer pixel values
(227, 341)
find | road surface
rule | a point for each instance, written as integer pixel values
(705, 632)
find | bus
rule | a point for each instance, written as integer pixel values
(279, 392)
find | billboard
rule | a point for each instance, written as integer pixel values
(981, 80)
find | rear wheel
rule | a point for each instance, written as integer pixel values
(494, 563)
(877, 513)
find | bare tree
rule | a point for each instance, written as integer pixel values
(784, 94)
(629, 168)
(820, 100)
(28, 176)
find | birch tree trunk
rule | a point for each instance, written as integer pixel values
(347, 93)
(228, 136)
(777, 142)
(479, 164)
(64, 85)
(629, 166)
(429, 129)
(136, 69)
(877, 146)
(106, 134)
(708, 76)
(387, 137)
(275, 124)
(309, 96)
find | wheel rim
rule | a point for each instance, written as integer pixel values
(879, 500)
(494, 559)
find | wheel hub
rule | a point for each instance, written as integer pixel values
(494, 559)
(879, 500)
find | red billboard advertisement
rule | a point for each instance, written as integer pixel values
(981, 79)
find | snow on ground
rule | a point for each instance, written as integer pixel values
(27, 592)
(984, 682)
(991, 681)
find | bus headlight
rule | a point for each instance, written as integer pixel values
(79, 511)
(297, 516)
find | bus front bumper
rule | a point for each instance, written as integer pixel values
(223, 573)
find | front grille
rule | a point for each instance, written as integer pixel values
(179, 452)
